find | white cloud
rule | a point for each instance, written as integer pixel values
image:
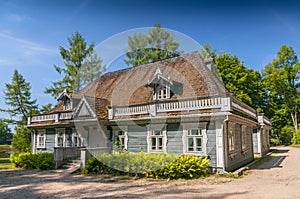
(30, 47)
(17, 18)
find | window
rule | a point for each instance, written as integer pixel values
(244, 138)
(121, 139)
(60, 137)
(194, 139)
(161, 92)
(41, 139)
(231, 142)
(156, 140)
(76, 140)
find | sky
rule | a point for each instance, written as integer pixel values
(32, 31)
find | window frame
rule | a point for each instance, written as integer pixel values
(38, 144)
(76, 136)
(63, 136)
(194, 138)
(244, 138)
(157, 146)
(124, 137)
(231, 140)
(162, 90)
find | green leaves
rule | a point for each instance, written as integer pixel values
(156, 45)
(18, 98)
(82, 66)
(42, 161)
(167, 166)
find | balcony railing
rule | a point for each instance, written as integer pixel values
(50, 117)
(169, 106)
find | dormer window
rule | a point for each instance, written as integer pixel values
(65, 98)
(161, 86)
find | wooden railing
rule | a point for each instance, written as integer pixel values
(169, 106)
(50, 117)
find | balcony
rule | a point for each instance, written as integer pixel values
(56, 117)
(152, 109)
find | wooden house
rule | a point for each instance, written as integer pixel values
(177, 105)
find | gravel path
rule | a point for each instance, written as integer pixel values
(277, 178)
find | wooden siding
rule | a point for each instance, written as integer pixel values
(137, 139)
(174, 139)
(238, 157)
(211, 144)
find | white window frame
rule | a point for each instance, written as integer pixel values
(76, 136)
(123, 136)
(41, 133)
(194, 138)
(162, 135)
(57, 136)
(162, 90)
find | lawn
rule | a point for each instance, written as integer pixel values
(5, 151)
(6, 164)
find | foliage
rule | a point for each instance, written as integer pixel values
(74, 58)
(157, 44)
(244, 83)
(5, 132)
(46, 108)
(18, 97)
(42, 161)
(6, 164)
(286, 135)
(5, 151)
(282, 82)
(296, 138)
(168, 166)
(208, 51)
(21, 140)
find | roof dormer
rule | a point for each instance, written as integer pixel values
(66, 99)
(161, 86)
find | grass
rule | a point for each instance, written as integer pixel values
(265, 159)
(6, 164)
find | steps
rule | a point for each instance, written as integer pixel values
(71, 166)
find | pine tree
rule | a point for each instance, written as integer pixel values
(18, 97)
(157, 45)
(74, 58)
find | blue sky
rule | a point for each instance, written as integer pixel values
(32, 31)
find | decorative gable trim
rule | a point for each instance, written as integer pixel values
(157, 76)
(83, 102)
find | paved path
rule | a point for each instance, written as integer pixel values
(277, 178)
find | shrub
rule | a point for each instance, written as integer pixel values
(296, 138)
(42, 161)
(168, 166)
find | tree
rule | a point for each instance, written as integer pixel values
(207, 51)
(46, 108)
(18, 97)
(282, 81)
(244, 83)
(5, 132)
(157, 44)
(74, 58)
(21, 140)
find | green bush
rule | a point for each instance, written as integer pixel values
(42, 161)
(168, 166)
(296, 138)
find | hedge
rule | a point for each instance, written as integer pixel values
(167, 166)
(42, 161)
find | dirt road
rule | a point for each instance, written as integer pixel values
(277, 178)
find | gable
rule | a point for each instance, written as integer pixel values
(84, 110)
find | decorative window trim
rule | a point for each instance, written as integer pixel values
(190, 135)
(123, 136)
(41, 133)
(57, 132)
(231, 140)
(244, 133)
(163, 135)
(75, 136)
